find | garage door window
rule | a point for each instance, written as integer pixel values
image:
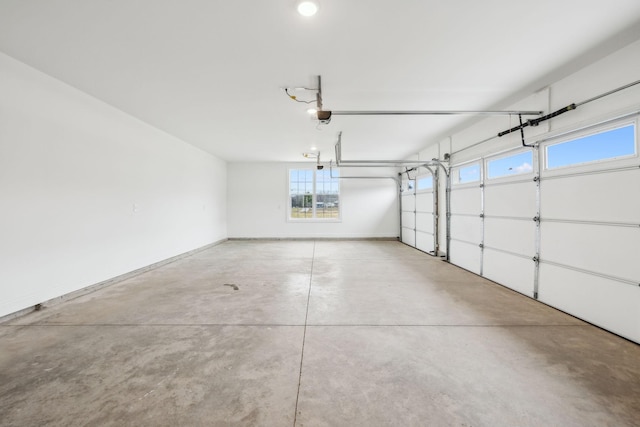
(408, 186)
(466, 174)
(515, 164)
(425, 182)
(606, 145)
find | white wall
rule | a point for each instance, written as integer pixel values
(258, 197)
(88, 193)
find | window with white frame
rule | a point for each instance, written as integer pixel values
(609, 144)
(424, 182)
(314, 194)
(515, 164)
(408, 186)
(466, 174)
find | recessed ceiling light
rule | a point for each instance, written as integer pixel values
(307, 7)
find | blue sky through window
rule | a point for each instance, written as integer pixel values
(512, 165)
(600, 146)
(425, 182)
(469, 173)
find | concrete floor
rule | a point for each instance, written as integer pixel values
(326, 333)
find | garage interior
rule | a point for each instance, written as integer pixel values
(450, 237)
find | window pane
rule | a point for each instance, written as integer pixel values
(322, 176)
(605, 145)
(466, 174)
(300, 191)
(301, 206)
(408, 186)
(425, 182)
(301, 194)
(511, 165)
(327, 205)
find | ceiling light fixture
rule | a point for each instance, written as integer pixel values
(307, 7)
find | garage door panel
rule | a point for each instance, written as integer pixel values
(466, 256)
(603, 249)
(424, 222)
(510, 235)
(409, 203)
(466, 200)
(424, 241)
(466, 228)
(517, 199)
(590, 197)
(509, 270)
(610, 304)
(408, 236)
(424, 202)
(408, 219)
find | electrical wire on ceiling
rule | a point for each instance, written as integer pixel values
(295, 98)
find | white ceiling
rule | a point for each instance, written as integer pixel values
(211, 72)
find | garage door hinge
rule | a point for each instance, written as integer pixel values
(481, 245)
(481, 215)
(536, 259)
(536, 219)
(536, 178)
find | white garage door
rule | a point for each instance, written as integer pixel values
(465, 247)
(425, 213)
(560, 222)
(510, 220)
(408, 212)
(590, 227)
